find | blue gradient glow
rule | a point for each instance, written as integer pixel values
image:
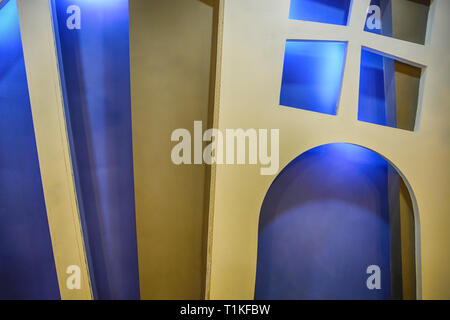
(312, 75)
(324, 220)
(325, 11)
(94, 64)
(27, 266)
(372, 101)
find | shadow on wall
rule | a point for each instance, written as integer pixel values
(328, 216)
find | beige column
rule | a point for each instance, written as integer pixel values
(52, 144)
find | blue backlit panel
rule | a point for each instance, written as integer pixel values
(372, 98)
(388, 91)
(93, 41)
(325, 11)
(324, 220)
(312, 75)
(27, 266)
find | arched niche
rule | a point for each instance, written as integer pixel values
(331, 213)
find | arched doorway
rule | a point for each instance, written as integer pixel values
(329, 215)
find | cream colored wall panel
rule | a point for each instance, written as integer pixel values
(170, 48)
(52, 144)
(252, 51)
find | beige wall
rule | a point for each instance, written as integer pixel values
(407, 244)
(170, 67)
(409, 20)
(52, 142)
(251, 55)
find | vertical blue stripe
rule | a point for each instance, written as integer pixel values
(27, 266)
(372, 96)
(312, 75)
(96, 80)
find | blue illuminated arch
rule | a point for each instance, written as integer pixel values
(323, 221)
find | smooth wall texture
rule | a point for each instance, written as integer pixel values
(170, 43)
(251, 52)
(27, 265)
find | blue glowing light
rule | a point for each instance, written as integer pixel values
(325, 11)
(312, 75)
(324, 219)
(9, 20)
(95, 68)
(27, 267)
(372, 101)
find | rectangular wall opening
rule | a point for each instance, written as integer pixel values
(401, 19)
(324, 11)
(389, 91)
(312, 75)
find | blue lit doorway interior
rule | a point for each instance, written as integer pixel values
(329, 216)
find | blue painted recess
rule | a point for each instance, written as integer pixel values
(377, 101)
(324, 220)
(312, 75)
(27, 266)
(94, 63)
(381, 24)
(372, 102)
(377, 93)
(324, 11)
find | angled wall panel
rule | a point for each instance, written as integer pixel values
(251, 57)
(27, 266)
